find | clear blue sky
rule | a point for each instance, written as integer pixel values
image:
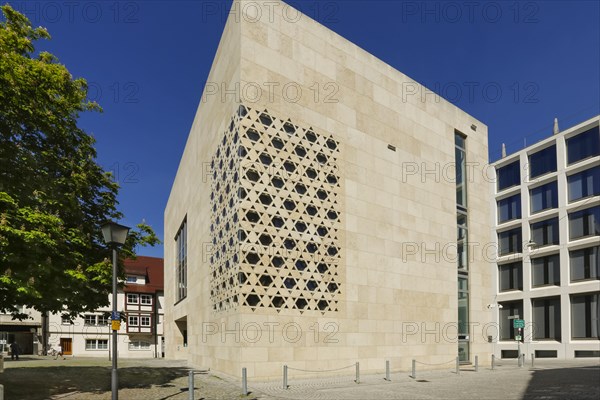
(513, 65)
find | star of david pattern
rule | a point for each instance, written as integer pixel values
(275, 216)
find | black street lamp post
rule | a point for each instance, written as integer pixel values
(114, 236)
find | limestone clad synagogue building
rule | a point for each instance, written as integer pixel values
(294, 233)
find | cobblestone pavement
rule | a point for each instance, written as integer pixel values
(157, 379)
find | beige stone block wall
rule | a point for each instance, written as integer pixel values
(398, 208)
(188, 200)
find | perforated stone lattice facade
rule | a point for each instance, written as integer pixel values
(275, 221)
(224, 226)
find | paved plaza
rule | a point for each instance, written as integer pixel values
(155, 379)
(547, 380)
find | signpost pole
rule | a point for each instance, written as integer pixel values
(518, 324)
(114, 378)
(519, 349)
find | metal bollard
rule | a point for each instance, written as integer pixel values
(387, 370)
(457, 366)
(357, 373)
(493, 362)
(285, 383)
(244, 382)
(519, 362)
(191, 385)
(476, 363)
(532, 360)
(1, 392)
(414, 369)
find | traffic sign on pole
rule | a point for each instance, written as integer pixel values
(518, 323)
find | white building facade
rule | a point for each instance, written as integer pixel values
(140, 303)
(27, 333)
(547, 227)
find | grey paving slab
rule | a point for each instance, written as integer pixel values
(548, 380)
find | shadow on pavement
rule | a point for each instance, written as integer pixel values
(564, 383)
(21, 358)
(44, 382)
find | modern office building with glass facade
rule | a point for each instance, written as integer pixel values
(313, 219)
(548, 231)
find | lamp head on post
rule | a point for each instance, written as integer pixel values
(114, 234)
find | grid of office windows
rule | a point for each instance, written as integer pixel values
(511, 276)
(544, 197)
(584, 223)
(546, 318)
(584, 316)
(509, 309)
(584, 145)
(181, 273)
(509, 208)
(542, 162)
(545, 271)
(585, 263)
(545, 232)
(509, 175)
(584, 184)
(548, 263)
(510, 241)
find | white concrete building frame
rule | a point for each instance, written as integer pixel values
(549, 272)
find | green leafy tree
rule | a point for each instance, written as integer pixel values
(53, 194)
